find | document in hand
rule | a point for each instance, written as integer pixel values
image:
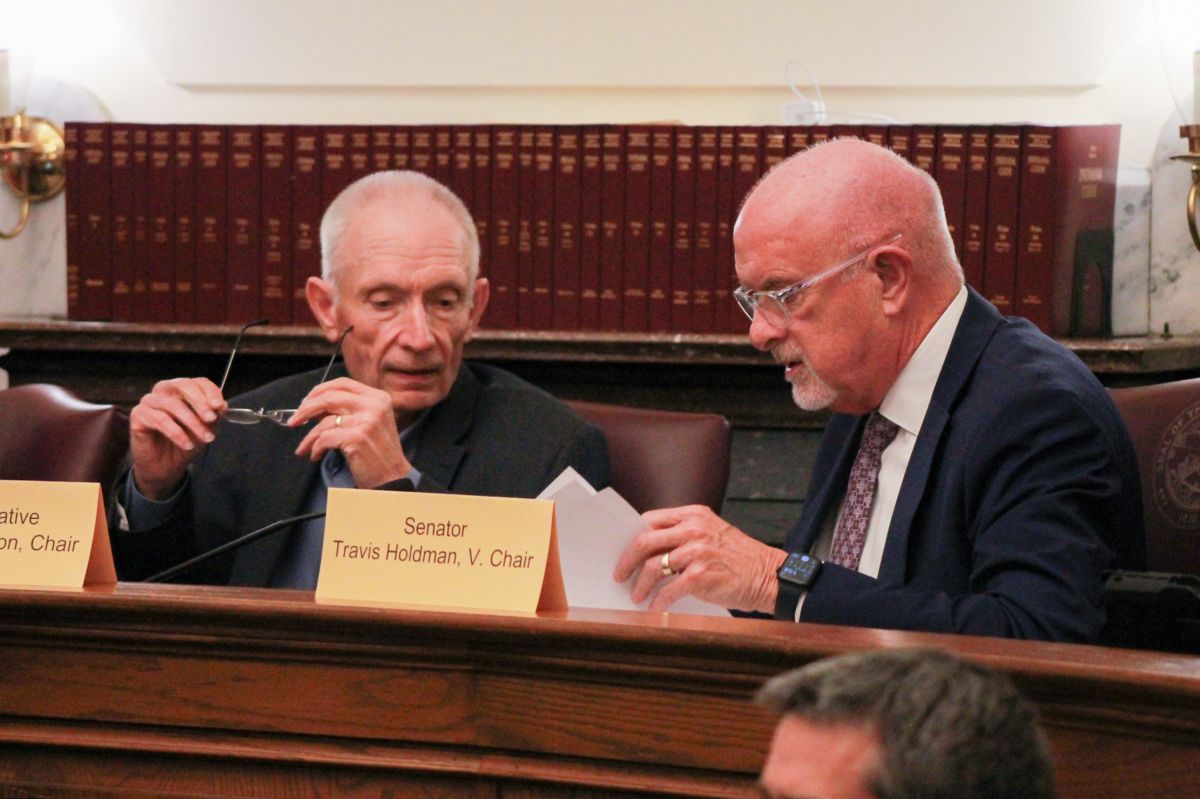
(594, 528)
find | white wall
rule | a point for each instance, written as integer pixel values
(696, 61)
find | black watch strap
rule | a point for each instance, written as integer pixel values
(797, 574)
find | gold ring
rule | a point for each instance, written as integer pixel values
(337, 420)
(666, 565)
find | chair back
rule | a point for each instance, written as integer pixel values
(1164, 422)
(663, 459)
(47, 433)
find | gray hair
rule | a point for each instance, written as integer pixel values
(947, 728)
(399, 188)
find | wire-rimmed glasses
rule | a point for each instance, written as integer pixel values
(280, 416)
(773, 305)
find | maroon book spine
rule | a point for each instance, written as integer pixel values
(276, 169)
(590, 220)
(774, 146)
(1064, 275)
(421, 152)
(73, 214)
(185, 222)
(306, 218)
(847, 131)
(140, 268)
(335, 163)
(212, 224)
(443, 155)
(797, 139)
(975, 204)
(244, 187)
(543, 228)
(876, 134)
(567, 195)
(360, 151)
(818, 134)
(402, 136)
(95, 237)
(634, 310)
(612, 251)
(506, 208)
(161, 232)
(526, 182)
(704, 252)
(683, 234)
(462, 166)
(900, 140)
(662, 207)
(1035, 220)
(1083, 229)
(481, 206)
(924, 148)
(749, 168)
(381, 153)
(724, 278)
(1000, 244)
(121, 208)
(951, 177)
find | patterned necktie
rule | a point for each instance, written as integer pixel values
(851, 531)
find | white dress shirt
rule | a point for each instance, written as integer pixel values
(904, 404)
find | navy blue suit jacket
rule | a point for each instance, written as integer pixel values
(1021, 490)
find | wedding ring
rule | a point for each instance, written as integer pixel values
(337, 420)
(666, 565)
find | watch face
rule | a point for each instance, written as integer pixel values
(799, 568)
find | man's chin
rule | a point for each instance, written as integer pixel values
(810, 397)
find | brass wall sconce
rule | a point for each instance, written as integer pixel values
(32, 153)
(1192, 134)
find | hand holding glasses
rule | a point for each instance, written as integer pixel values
(280, 416)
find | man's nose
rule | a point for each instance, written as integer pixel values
(764, 334)
(413, 327)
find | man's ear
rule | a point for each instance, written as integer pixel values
(320, 295)
(894, 268)
(483, 291)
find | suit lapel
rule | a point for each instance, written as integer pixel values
(844, 433)
(440, 451)
(975, 328)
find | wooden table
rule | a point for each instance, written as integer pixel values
(190, 691)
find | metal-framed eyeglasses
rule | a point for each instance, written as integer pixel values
(773, 305)
(278, 415)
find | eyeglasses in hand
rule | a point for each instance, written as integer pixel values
(280, 416)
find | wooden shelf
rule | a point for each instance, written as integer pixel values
(1142, 355)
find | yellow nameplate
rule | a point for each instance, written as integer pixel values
(443, 550)
(53, 535)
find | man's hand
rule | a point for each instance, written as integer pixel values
(358, 420)
(169, 427)
(712, 559)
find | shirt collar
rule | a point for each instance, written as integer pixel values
(908, 399)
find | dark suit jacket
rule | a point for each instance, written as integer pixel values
(492, 435)
(1021, 489)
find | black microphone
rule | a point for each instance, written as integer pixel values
(241, 541)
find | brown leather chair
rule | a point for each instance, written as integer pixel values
(1164, 422)
(47, 433)
(662, 459)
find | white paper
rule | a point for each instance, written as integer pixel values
(594, 528)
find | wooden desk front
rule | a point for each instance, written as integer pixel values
(187, 691)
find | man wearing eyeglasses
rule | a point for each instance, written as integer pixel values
(974, 476)
(400, 290)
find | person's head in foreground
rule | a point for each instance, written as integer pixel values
(903, 724)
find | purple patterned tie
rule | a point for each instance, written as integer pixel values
(860, 492)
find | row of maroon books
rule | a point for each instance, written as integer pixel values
(582, 227)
